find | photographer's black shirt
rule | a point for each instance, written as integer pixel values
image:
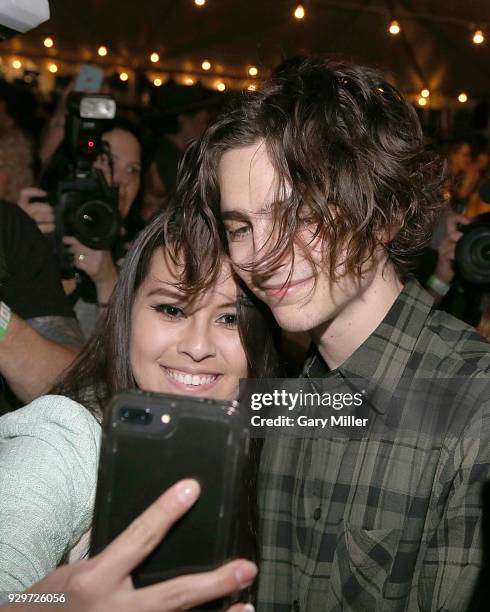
(29, 279)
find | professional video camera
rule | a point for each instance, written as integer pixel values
(473, 248)
(86, 206)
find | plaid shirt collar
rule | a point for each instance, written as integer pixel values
(382, 358)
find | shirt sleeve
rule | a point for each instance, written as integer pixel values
(31, 285)
(48, 470)
(453, 559)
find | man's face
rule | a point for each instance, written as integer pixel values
(461, 158)
(248, 189)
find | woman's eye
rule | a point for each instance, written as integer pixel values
(229, 320)
(169, 310)
(237, 233)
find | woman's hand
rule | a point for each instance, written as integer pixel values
(104, 581)
(41, 212)
(97, 264)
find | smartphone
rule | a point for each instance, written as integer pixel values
(150, 441)
(89, 79)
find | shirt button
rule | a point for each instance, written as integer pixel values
(317, 513)
(296, 605)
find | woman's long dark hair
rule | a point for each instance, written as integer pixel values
(103, 367)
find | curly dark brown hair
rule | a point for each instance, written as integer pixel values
(348, 152)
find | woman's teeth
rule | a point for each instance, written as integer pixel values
(191, 379)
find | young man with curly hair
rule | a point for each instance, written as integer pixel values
(322, 187)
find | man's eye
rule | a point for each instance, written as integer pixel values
(229, 320)
(237, 233)
(169, 310)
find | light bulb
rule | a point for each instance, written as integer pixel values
(154, 57)
(124, 76)
(462, 97)
(253, 71)
(206, 65)
(53, 68)
(478, 37)
(157, 82)
(102, 51)
(422, 101)
(425, 93)
(48, 42)
(394, 27)
(199, 2)
(221, 86)
(17, 64)
(299, 11)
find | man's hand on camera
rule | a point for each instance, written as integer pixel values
(104, 581)
(97, 264)
(41, 212)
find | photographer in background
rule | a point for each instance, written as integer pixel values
(39, 335)
(120, 162)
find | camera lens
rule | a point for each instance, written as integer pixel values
(135, 416)
(473, 251)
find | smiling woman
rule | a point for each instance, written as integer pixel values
(158, 335)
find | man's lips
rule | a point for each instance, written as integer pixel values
(284, 289)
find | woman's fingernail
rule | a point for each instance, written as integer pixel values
(245, 573)
(248, 608)
(188, 491)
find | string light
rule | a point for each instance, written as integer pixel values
(48, 42)
(157, 82)
(478, 37)
(394, 28)
(124, 76)
(17, 64)
(199, 2)
(154, 57)
(221, 86)
(422, 101)
(189, 81)
(299, 12)
(253, 71)
(102, 51)
(206, 65)
(462, 97)
(425, 93)
(251, 87)
(53, 68)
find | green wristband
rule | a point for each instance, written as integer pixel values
(437, 285)
(5, 316)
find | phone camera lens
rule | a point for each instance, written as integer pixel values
(135, 416)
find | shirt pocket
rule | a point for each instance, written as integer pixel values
(362, 563)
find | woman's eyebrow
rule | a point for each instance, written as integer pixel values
(228, 303)
(165, 291)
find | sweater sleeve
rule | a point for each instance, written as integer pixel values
(48, 471)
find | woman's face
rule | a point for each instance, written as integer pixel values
(126, 166)
(186, 348)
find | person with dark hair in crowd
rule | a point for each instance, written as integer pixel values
(185, 117)
(322, 187)
(39, 334)
(159, 335)
(121, 165)
(16, 151)
(436, 267)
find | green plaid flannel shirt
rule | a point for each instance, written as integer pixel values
(389, 522)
